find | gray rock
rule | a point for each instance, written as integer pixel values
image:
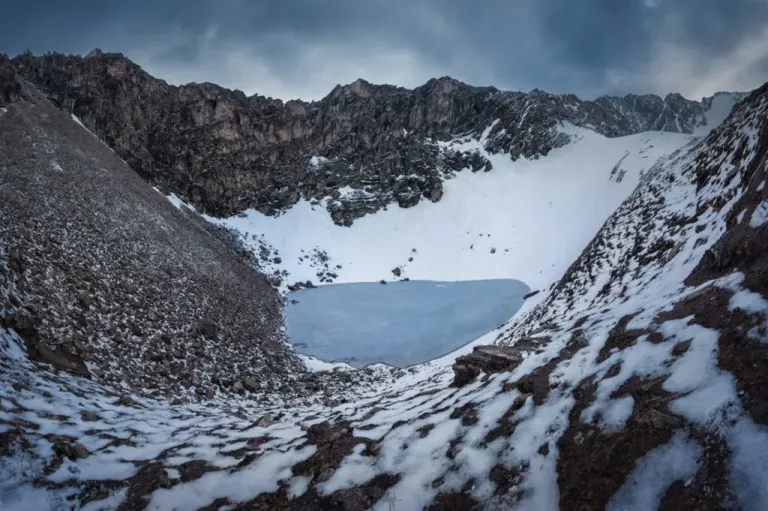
(266, 420)
(207, 328)
(70, 449)
(379, 140)
(486, 359)
(251, 384)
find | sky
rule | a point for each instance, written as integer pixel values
(303, 48)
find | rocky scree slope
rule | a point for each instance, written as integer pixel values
(224, 152)
(637, 383)
(101, 275)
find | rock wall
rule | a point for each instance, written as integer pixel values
(225, 152)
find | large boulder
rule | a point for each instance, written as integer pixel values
(486, 359)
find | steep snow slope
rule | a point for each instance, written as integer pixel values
(527, 219)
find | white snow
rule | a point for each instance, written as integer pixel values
(749, 301)
(719, 110)
(315, 364)
(655, 472)
(537, 214)
(317, 161)
(78, 121)
(760, 215)
(178, 202)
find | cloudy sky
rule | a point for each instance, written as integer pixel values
(303, 48)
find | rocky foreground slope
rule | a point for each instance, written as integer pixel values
(100, 275)
(225, 152)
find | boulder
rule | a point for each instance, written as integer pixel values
(486, 359)
(207, 328)
(70, 449)
(251, 384)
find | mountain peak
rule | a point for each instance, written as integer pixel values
(96, 52)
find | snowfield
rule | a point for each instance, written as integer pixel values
(526, 220)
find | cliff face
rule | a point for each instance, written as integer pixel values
(226, 152)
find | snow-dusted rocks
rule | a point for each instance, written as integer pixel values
(102, 276)
(643, 388)
(487, 359)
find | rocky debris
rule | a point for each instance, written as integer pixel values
(383, 144)
(149, 478)
(70, 449)
(59, 356)
(397, 271)
(207, 328)
(301, 285)
(486, 359)
(89, 416)
(251, 384)
(531, 294)
(334, 441)
(142, 294)
(7, 441)
(319, 260)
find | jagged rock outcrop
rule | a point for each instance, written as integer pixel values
(225, 152)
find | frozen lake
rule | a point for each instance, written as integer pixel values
(400, 323)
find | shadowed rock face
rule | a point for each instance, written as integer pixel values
(226, 152)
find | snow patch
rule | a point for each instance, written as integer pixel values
(317, 162)
(655, 472)
(510, 222)
(760, 215)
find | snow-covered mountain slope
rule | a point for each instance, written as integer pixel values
(637, 382)
(527, 219)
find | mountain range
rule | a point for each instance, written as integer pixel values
(225, 152)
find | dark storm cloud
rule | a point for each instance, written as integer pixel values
(290, 48)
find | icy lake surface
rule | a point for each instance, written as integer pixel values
(401, 323)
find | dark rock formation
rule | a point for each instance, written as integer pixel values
(225, 152)
(486, 359)
(10, 87)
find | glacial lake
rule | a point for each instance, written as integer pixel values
(399, 323)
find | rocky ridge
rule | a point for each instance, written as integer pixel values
(359, 149)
